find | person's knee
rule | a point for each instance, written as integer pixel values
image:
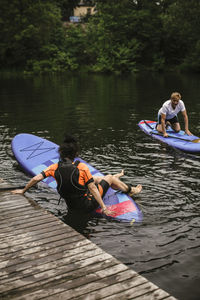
(176, 128)
(108, 178)
(159, 128)
(97, 179)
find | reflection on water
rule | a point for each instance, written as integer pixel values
(103, 112)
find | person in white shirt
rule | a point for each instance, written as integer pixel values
(167, 115)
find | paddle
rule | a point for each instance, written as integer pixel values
(171, 136)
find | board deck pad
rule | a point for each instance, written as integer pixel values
(34, 154)
(178, 140)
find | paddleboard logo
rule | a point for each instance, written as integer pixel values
(36, 150)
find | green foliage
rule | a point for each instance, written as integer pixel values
(181, 30)
(27, 27)
(123, 36)
(192, 62)
(117, 59)
(58, 61)
(75, 43)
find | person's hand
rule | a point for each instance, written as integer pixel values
(165, 135)
(20, 192)
(107, 212)
(188, 132)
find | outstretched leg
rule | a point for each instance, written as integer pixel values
(117, 184)
(97, 179)
(118, 175)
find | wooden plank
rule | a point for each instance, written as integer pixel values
(19, 253)
(17, 230)
(35, 243)
(8, 198)
(26, 216)
(127, 290)
(33, 221)
(69, 266)
(68, 240)
(59, 256)
(82, 285)
(25, 209)
(5, 186)
(41, 257)
(43, 254)
(48, 277)
(10, 242)
(9, 275)
(8, 187)
(9, 204)
(141, 292)
(14, 208)
(42, 277)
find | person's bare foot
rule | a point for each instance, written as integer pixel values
(135, 190)
(118, 175)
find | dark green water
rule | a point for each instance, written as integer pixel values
(103, 112)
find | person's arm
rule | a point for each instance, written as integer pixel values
(185, 117)
(163, 117)
(32, 182)
(95, 192)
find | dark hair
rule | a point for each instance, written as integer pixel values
(69, 149)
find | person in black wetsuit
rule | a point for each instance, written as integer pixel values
(76, 185)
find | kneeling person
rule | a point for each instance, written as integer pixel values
(167, 115)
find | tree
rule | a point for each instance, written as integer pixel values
(124, 34)
(182, 30)
(27, 27)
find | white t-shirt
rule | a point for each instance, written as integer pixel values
(168, 110)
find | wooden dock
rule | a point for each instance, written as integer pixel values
(43, 258)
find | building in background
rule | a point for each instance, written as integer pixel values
(83, 10)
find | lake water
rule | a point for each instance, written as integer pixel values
(103, 112)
